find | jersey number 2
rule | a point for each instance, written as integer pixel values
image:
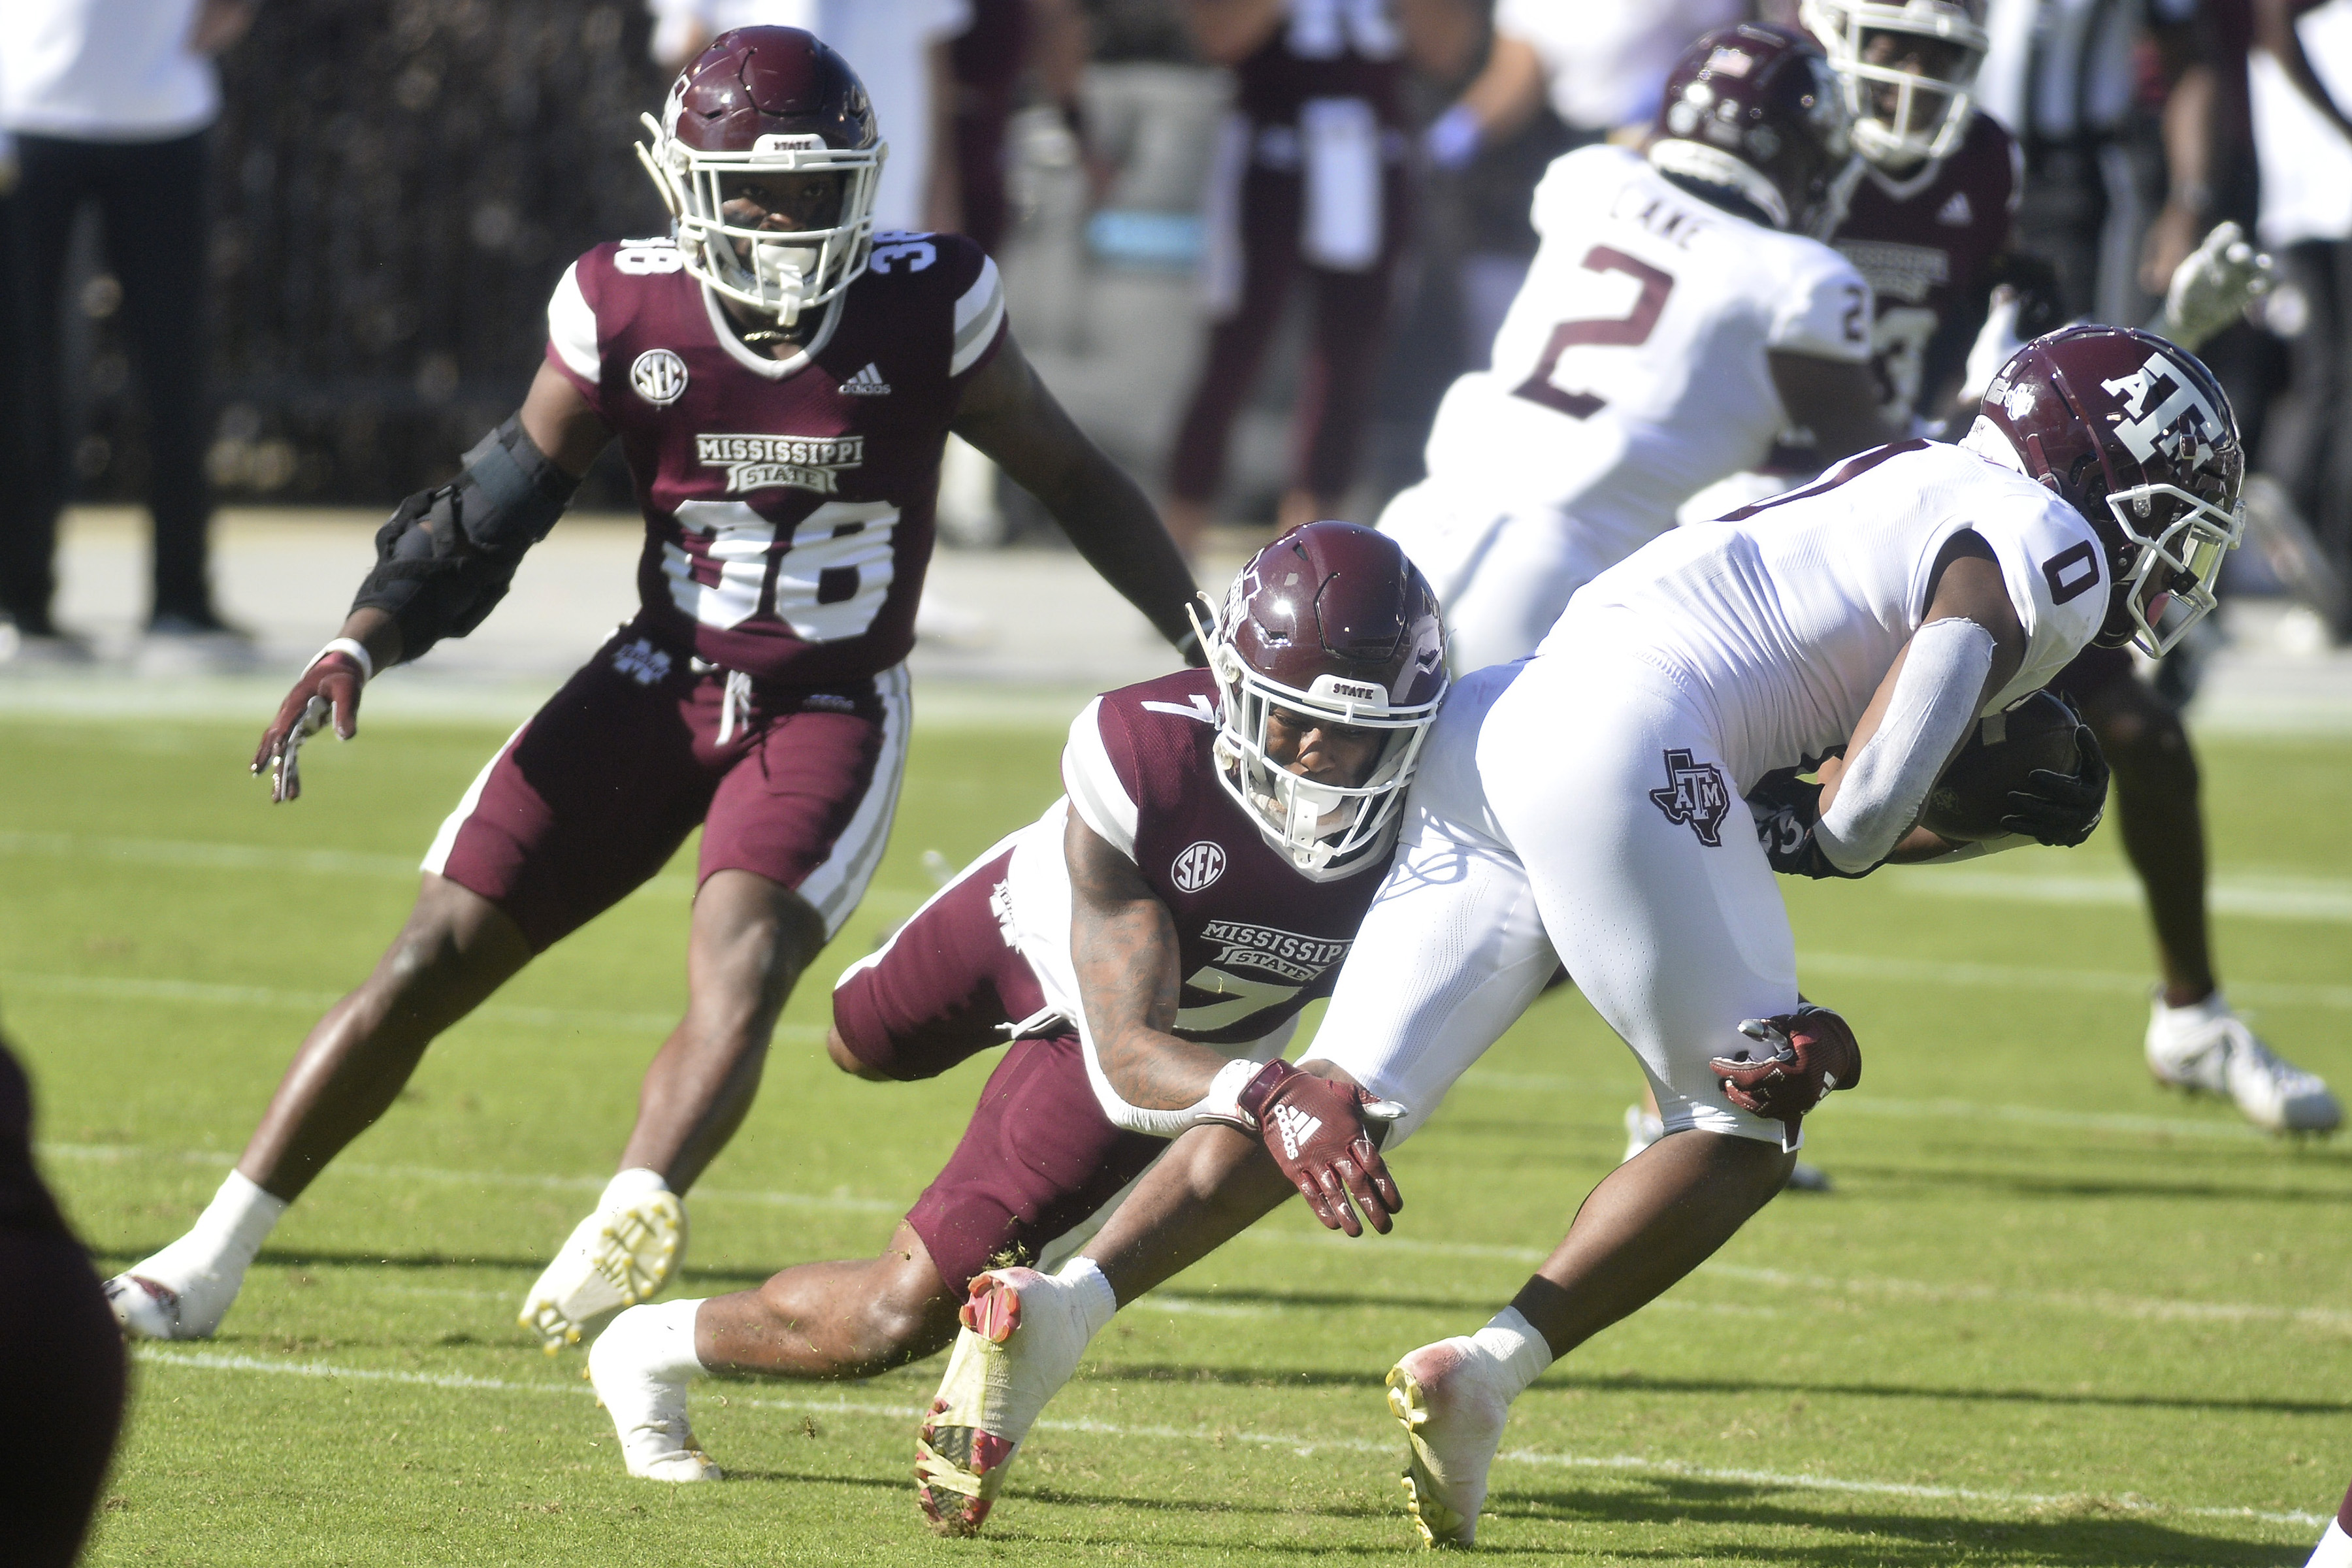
(1622, 331)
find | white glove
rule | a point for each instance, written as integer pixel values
(1996, 343)
(2212, 288)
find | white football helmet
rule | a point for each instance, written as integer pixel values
(1929, 114)
(768, 101)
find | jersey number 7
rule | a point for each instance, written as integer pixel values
(1623, 331)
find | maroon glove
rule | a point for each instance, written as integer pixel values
(330, 689)
(1812, 1051)
(1314, 1128)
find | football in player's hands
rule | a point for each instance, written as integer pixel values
(2039, 733)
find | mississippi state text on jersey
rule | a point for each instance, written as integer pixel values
(1256, 940)
(788, 503)
(1924, 240)
(1632, 370)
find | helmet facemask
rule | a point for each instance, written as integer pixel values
(1929, 110)
(2178, 541)
(776, 272)
(1325, 830)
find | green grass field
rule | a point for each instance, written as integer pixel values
(2049, 1315)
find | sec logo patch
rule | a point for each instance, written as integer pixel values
(1199, 865)
(659, 377)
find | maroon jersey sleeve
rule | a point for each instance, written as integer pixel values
(1256, 940)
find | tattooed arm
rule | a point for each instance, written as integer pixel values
(1123, 946)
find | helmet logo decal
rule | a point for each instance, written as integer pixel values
(1201, 864)
(2143, 433)
(659, 377)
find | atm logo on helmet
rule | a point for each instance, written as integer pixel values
(2150, 427)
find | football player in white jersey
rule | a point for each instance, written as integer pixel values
(1928, 221)
(1583, 807)
(1675, 320)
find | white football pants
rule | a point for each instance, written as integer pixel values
(1502, 574)
(1575, 806)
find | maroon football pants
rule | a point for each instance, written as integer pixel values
(1337, 381)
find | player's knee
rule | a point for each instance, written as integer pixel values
(2145, 743)
(907, 1313)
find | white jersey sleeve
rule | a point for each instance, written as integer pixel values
(1823, 311)
(1097, 791)
(2058, 579)
(572, 327)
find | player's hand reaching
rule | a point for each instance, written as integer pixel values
(2058, 810)
(1808, 1053)
(1315, 1129)
(328, 692)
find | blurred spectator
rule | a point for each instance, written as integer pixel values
(61, 1372)
(1311, 176)
(1558, 77)
(2301, 86)
(108, 102)
(2063, 77)
(899, 49)
(1007, 37)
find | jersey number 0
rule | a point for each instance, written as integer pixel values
(1622, 331)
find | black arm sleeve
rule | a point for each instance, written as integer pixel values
(446, 557)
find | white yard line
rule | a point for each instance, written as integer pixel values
(209, 993)
(2263, 897)
(841, 1405)
(2101, 1303)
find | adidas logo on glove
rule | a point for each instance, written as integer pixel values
(1296, 1127)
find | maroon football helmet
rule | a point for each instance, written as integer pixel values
(1755, 109)
(2140, 438)
(1331, 623)
(766, 101)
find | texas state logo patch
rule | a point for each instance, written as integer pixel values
(1695, 794)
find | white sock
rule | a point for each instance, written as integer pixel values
(1516, 1349)
(1097, 1302)
(630, 1186)
(664, 1336)
(2335, 1548)
(233, 1224)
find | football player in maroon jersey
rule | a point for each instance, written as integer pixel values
(783, 380)
(1147, 945)
(1928, 223)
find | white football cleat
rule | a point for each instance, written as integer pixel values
(175, 1295)
(1453, 1413)
(2206, 1048)
(617, 1257)
(647, 1406)
(1022, 1335)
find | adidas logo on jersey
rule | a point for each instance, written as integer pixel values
(1956, 212)
(1296, 1127)
(866, 383)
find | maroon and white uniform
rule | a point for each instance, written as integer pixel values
(1925, 242)
(988, 959)
(1310, 175)
(759, 692)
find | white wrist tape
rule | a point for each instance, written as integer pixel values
(1221, 1103)
(354, 647)
(1884, 785)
